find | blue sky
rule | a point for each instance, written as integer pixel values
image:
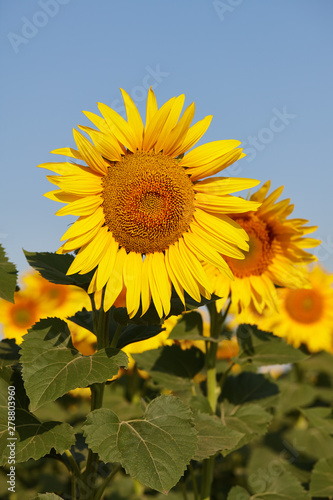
(263, 69)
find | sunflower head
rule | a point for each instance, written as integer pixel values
(275, 257)
(305, 315)
(149, 212)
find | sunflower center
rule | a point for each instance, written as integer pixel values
(148, 201)
(24, 314)
(304, 306)
(260, 253)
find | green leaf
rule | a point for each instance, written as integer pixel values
(238, 493)
(53, 267)
(8, 277)
(251, 420)
(52, 366)
(310, 442)
(263, 348)
(154, 450)
(136, 333)
(321, 418)
(213, 436)
(47, 496)
(33, 439)
(281, 486)
(9, 352)
(130, 333)
(171, 366)
(248, 386)
(293, 395)
(322, 479)
(188, 327)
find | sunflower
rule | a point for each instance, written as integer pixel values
(275, 254)
(147, 219)
(37, 299)
(55, 300)
(305, 315)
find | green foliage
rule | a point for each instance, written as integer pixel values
(131, 333)
(8, 277)
(171, 366)
(248, 386)
(47, 496)
(213, 436)
(263, 348)
(250, 420)
(52, 366)
(53, 267)
(322, 478)
(164, 441)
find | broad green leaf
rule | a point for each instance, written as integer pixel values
(321, 484)
(155, 450)
(310, 442)
(248, 386)
(213, 436)
(293, 395)
(250, 419)
(266, 462)
(130, 333)
(319, 362)
(189, 327)
(321, 418)
(53, 267)
(263, 348)
(47, 496)
(8, 277)
(239, 493)
(32, 438)
(137, 333)
(277, 486)
(9, 352)
(52, 366)
(171, 366)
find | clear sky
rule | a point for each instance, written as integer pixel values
(262, 68)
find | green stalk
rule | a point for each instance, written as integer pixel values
(213, 389)
(101, 321)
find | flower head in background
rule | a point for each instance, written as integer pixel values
(147, 220)
(276, 252)
(305, 315)
(37, 299)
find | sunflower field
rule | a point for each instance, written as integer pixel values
(179, 343)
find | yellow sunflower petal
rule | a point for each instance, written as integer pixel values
(58, 195)
(179, 132)
(115, 282)
(89, 154)
(224, 185)
(133, 118)
(81, 206)
(156, 124)
(119, 127)
(215, 166)
(107, 148)
(70, 152)
(152, 108)
(183, 276)
(145, 288)
(170, 123)
(106, 264)
(224, 204)
(85, 224)
(231, 231)
(162, 280)
(207, 153)
(194, 135)
(132, 279)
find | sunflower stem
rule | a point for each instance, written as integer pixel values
(213, 390)
(101, 326)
